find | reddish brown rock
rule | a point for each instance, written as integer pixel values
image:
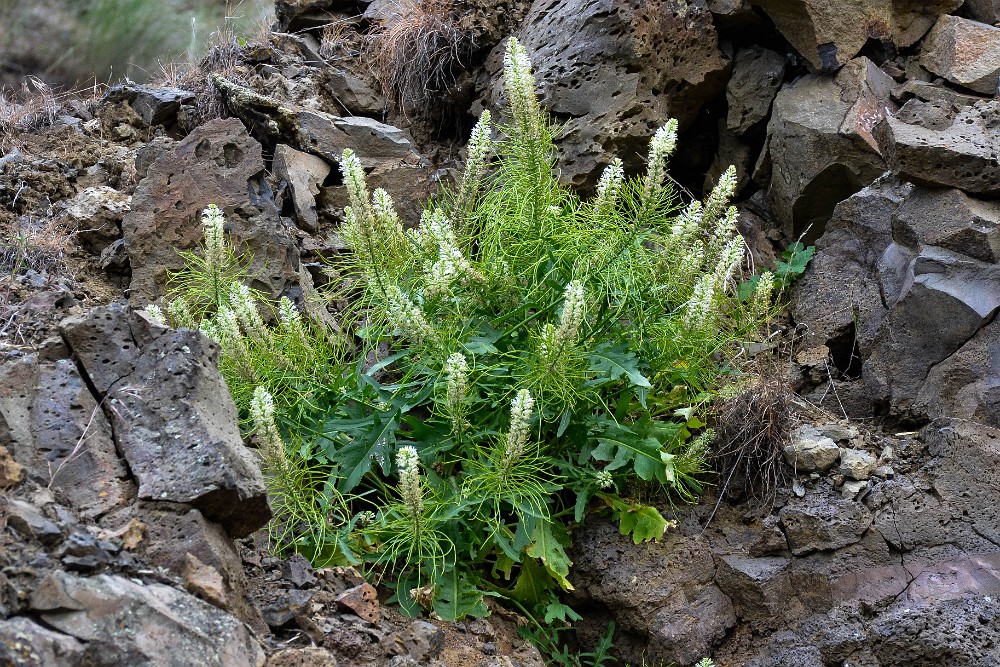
(363, 601)
(218, 163)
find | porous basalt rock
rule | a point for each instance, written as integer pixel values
(954, 149)
(218, 163)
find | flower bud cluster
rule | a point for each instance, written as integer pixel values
(456, 372)
(214, 221)
(554, 339)
(407, 316)
(155, 314)
(721, 194)
(436, 234)
(262, 414)
(408, 462)
(387, 222)
(761, 300)
(521, 411)
(290, 321)
(180, 313)
(609, 186)
(479, 149)
(604, 479)
(661, 147)
(244, 305)
(520, 87)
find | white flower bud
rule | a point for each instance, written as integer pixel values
(610, 184)
(521, 410)
(406, 315)
(661, 147)
(408, 462)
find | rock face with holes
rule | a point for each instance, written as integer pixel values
(614, 71)
(55, 430)
(218, 163)
(938, 144)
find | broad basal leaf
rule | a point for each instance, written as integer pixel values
(355, 458)
(620, 446)
(534, 585)
(458, 598)
(611, 362)
(548, 544)
(642, 522)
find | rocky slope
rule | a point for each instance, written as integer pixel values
(131, 507)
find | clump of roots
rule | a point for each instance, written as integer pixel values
(755, 419)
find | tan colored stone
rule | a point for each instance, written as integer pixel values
(965, 52)
(11, 472)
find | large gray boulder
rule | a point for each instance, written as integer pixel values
(757, 75)
(942, 300)
(55, 429)
(819, 147)
(660, 590)
(175, 422)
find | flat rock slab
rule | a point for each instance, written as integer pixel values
(950, 219)
(958, 151)
(304, 173)
(136, 624)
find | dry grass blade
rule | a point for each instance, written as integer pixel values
(754, 422)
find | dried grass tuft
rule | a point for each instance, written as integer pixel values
(754, 421)
(34, 107)
(417, 53)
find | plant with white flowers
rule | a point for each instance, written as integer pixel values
(519, 359)
(598, 325)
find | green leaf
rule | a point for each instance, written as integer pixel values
(548, 544)
(458, 599)
(642, 522)
(797, 258)
(612, 362)
(534, 585)
(355, 459)
(747, 288)
(557, 611)
(618, 445)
